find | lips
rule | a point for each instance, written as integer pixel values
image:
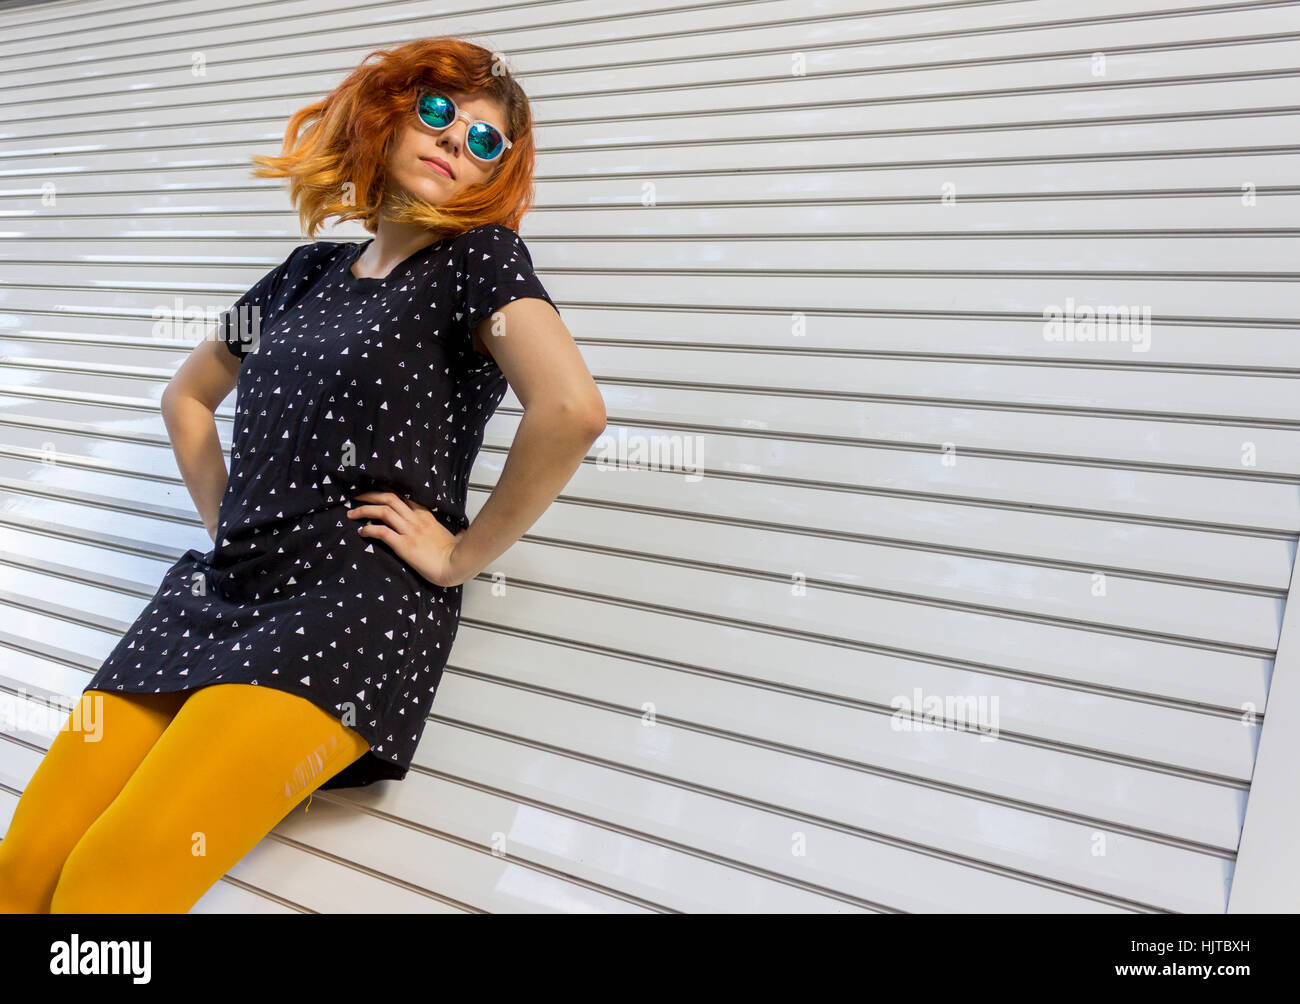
(439, 166)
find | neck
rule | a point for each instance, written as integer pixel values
(393, 243)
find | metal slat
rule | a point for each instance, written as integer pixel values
(1111, 176)
(1149, 873)
(1228, 245)
(1085, 545)
(1071, 721)
(703, 30)
(909, 72)
(1126, 795)
(860, 863)
(1165, 668)
(1187, 613)
(782, 294)
(1187, 610)
(1151, 419)
(598, 154)
(691, 125)
(1151, 494)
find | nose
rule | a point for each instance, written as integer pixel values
(454, 135)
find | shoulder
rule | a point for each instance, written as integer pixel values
(490, 236)
(488, 232)
(316, 251)
(491, 245)
(304, 259)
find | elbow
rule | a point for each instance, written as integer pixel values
(587, 418)
(167, 403)
(592, 419)
(579, 418)
(175, 402)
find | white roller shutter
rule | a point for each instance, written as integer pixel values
(808, 246)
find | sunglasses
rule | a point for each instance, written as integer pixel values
(482, 139)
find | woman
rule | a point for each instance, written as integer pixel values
(303, 651)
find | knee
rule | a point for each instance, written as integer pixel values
(25, 886)
(102, 874)
(135, 869)
(81, 887)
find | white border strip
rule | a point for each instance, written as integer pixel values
(1267, 876)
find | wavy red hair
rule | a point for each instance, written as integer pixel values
(335, 150)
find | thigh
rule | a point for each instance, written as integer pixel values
(235, 759)
(91, 758)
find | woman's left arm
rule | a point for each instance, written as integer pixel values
(563, 415)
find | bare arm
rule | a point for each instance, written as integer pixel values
(189, 404)
(563, 415)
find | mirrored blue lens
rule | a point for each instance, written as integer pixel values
(436, 111)
(484, 141)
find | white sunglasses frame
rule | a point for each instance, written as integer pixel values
(461, 114)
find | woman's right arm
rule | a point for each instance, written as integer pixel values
(189, 404)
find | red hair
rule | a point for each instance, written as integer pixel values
(336, 149)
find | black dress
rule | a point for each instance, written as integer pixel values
(346, 385)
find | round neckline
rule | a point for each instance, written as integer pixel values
(396, 272)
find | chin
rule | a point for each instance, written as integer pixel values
(432, 193)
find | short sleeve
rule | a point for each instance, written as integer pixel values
(496, 269)
(241, 325)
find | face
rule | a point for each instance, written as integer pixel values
(412, 163)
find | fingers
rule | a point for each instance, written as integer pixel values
(404, 506)
(385, 533)
(381, 512)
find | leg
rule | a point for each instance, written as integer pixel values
(234, 761)
(92, 756)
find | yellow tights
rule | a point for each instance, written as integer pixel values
(145, 800)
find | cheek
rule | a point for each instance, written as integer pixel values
(479, 174)
(405, 146)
